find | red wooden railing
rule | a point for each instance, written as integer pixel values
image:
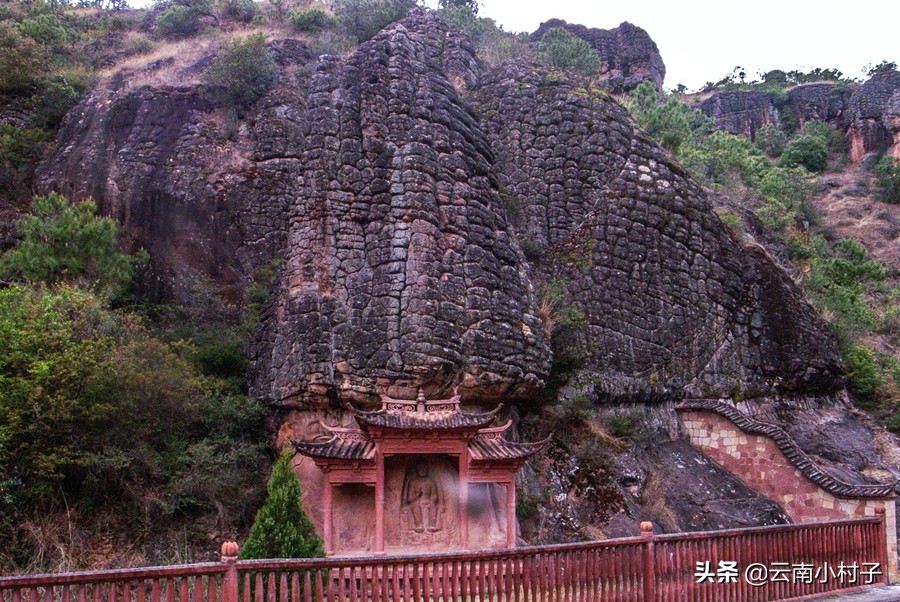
(640, 569)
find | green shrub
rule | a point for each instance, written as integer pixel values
(807, 150)
(671, 122)
(887, 179)
(575, 409)
(178, 21)
(771, 139)
(624, 425)
(725, 159)
(363, 19)
(48, 30)
(865, 378)
(68, 242)
(20, 148)
(565, 50)
(463, 19)
(312, 19)
(786, 192)
(281, 528)
(838, 280)
(239, 10)
(21, 59)
(58, 94)
(469, 5)
(834, 140)
(242, 72)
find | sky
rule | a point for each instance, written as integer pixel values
(703, 40)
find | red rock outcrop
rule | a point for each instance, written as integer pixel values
(628, 55)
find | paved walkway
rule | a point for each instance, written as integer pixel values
(888, 593)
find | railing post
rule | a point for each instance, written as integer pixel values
(649, 562)
(889, 564)
(230, 580)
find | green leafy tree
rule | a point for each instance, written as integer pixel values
(808, 150)
(97, 412)
(242, 72)
(312, 19)
(671, 122)
(887, 178)
(771, 139)
(281, 528)
(68, 242)
(239, 10)
(565, 50)
(882, 67)
(363, 19)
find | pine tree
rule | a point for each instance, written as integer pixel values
(281, 528)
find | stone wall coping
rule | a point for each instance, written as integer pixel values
(790, 449)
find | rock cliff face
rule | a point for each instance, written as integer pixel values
(741, 112)
(672, 304)
(402, 188)
(822, 101)
(869, 110)
(628, 55)
(402, 270)
(868, 113)
(209, 209)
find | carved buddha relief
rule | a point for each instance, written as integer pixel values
(422, 496)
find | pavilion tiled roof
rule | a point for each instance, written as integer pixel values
(503, 449)
(426, 420)
(344, 444)
(421, 414)
(484, 444)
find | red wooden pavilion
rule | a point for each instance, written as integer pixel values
(421, 428)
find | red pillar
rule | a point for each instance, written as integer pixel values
(327, 520)
(379, 502)
(464, 497)
(511, 514)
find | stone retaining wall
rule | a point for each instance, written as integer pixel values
(758, 461)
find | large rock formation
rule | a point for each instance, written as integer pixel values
(822, 101)
(671, 302)
(402, 270)
(741, 112)
(628, 55)
(868, 111)
(208, 207)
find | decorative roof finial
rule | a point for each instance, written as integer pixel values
(420, 401)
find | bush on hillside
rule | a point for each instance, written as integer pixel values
(242, 72)
(771, 139)
(239, 10)
(887, 179)
(565, 50)
(807, 150)
(671, 122)
(363, 19)
(21, 60)
(178, 22)
(312, 19)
